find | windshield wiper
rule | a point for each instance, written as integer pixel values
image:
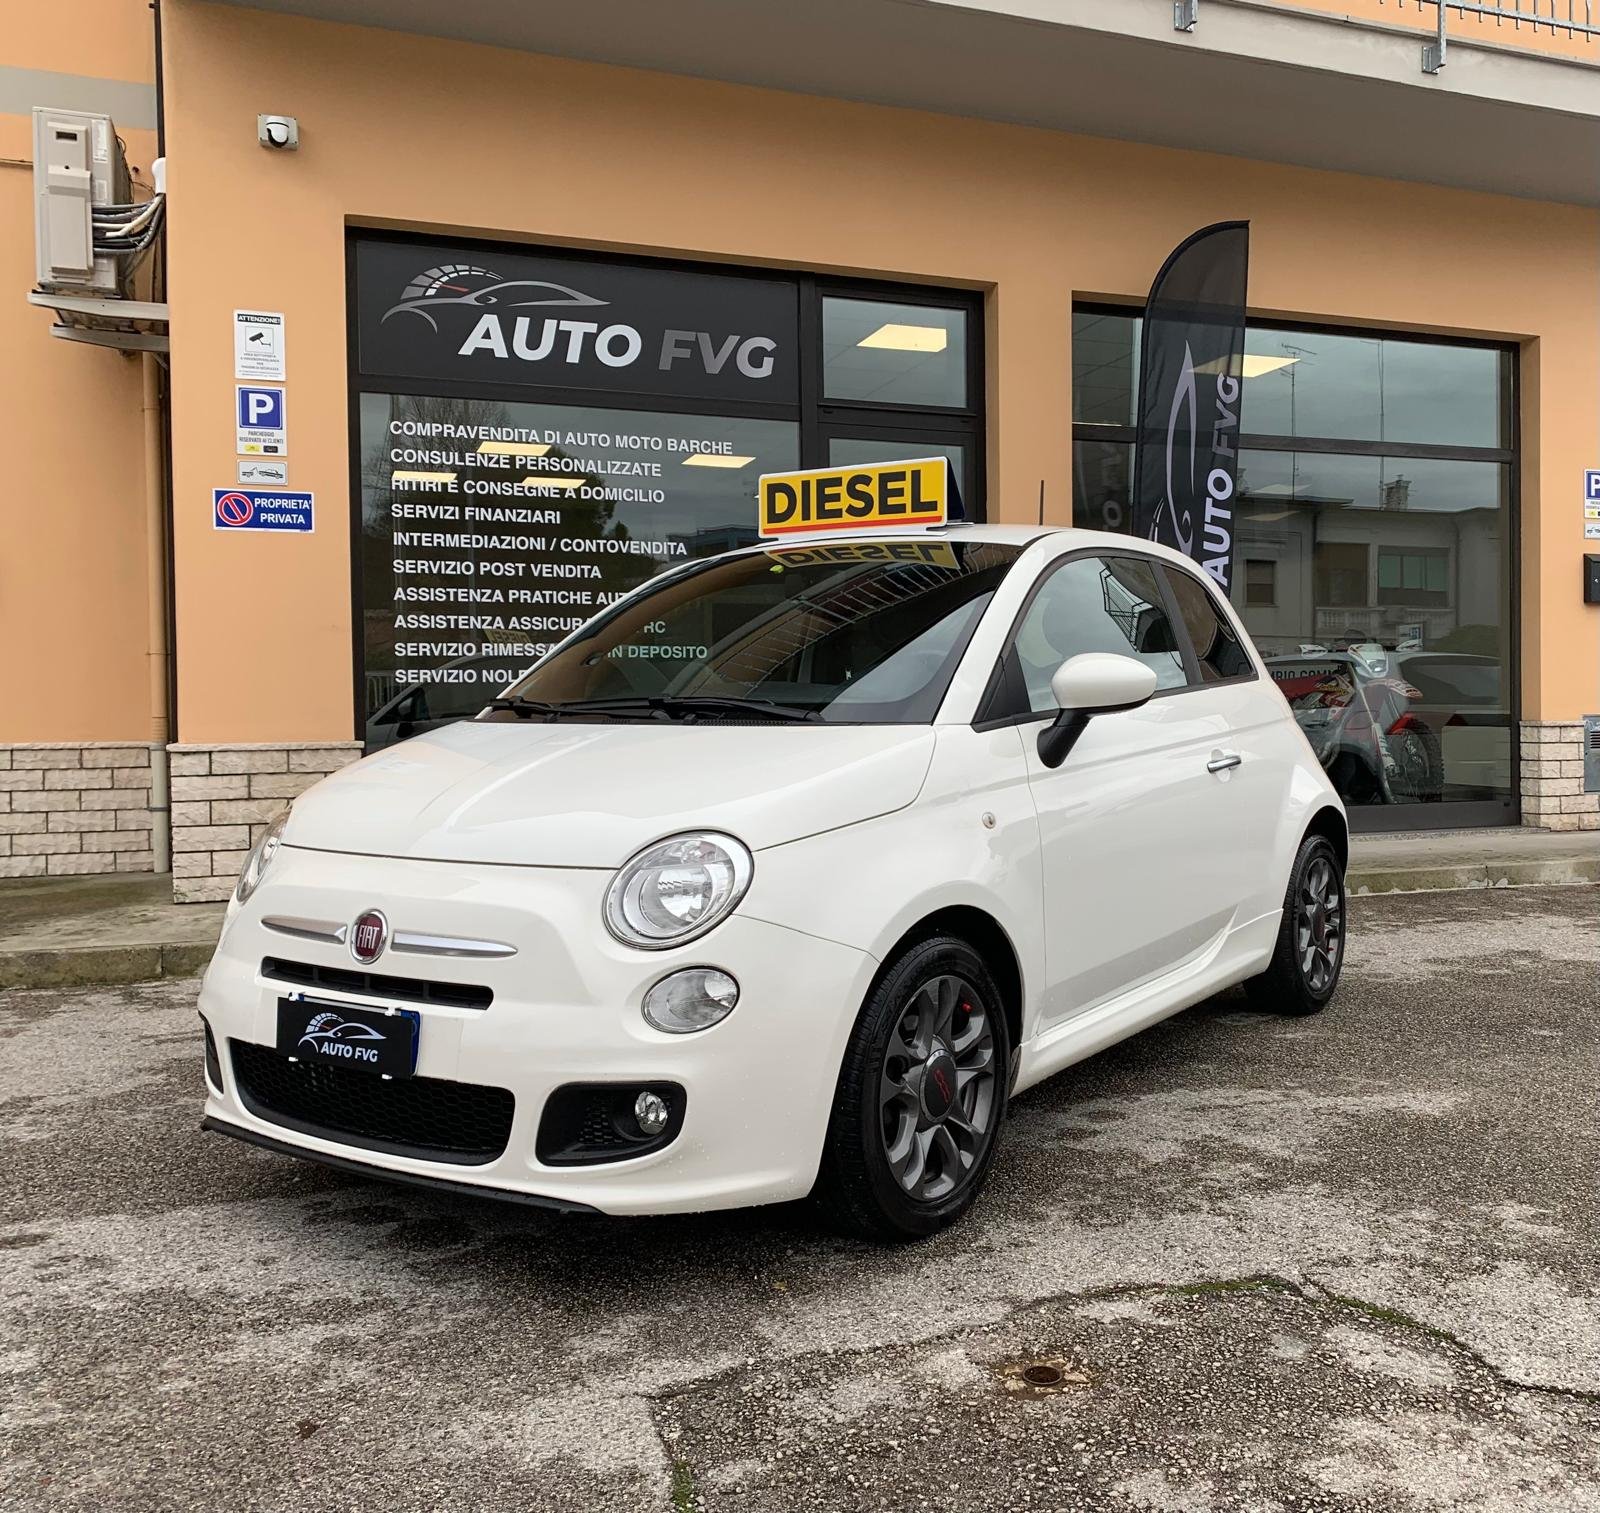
(528, 708)
(723, 704)
(677, 706)
(657, 706)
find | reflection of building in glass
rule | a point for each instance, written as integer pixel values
(717, 538)
(1344, 573)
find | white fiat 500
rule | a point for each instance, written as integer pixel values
(781, 877)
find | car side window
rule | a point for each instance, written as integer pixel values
(1108, 603)
(1216, 646)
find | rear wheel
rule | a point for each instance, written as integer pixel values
(921, 1095)
(1305, 965)
(1418, 766)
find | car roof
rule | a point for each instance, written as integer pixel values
(1062, 537)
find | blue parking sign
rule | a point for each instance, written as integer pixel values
(1591, 486)
(260, 409)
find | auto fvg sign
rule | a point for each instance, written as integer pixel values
(541, 321)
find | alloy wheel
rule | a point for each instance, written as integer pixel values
(936, 1098)
(1319, 925)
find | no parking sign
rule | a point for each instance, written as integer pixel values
(260, 510)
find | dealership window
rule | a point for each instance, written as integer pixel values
(1375, 532)
(537, 433)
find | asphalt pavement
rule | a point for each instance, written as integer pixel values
(1238, 1263)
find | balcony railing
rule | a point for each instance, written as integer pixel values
(1555, 28)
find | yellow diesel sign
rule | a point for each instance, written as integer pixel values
(884, 495)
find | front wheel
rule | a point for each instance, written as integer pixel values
(1309, 953)
(921, 1095)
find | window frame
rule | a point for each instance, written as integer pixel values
(1392, 817)
(1004, 677)
(814, 419)
(1272, 564)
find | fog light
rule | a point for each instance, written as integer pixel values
(693, 999)
(650, 1113)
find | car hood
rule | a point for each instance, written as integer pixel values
(590, 795)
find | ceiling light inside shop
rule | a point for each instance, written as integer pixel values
(514, 448)
(898, 338)
(409, 478)
(1254, 365)
(555, 480)
(1257, 364)
(716, 460)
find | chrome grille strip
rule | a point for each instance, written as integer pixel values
(307, 929)
(447, 945)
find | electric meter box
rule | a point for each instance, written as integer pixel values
(77, 165)
(1591, 753)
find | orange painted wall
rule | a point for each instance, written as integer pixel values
(414, 132)
(72, 563)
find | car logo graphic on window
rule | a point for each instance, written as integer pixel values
(368, 936)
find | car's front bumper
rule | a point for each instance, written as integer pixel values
(758, 1087)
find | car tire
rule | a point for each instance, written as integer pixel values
(921, 1096)
(1309, 953)
(1424, 764)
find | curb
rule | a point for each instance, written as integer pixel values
(1575, 871)
(102, 966)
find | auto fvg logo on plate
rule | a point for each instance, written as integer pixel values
(342, 1039)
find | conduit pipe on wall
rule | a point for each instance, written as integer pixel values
(155, 518)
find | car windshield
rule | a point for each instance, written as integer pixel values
(865, 632)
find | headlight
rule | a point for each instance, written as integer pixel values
(677, 889)
(259, 859)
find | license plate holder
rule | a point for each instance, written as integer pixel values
(380, 1042)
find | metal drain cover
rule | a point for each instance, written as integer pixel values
(1043, 1376)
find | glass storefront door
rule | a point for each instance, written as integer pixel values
(536, 434)
(1375, 531)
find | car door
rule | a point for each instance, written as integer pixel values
(1137, 828)
(1260, 749)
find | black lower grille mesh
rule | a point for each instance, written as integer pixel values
(213, 1065)
(586, 1123)
(427, 1118)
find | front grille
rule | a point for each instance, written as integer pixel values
(586, 1123)
(303, 974)
(427, 1118)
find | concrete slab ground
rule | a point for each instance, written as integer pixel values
(1344, 1264)
(1500, 857)
(65, 931)
(60, 932)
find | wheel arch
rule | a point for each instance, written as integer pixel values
(1333, 827)
(988, 937)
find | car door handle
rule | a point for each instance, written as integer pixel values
(1224, 762)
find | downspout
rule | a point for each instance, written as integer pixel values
(156, 583)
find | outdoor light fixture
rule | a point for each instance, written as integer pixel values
(898, 338)
(405, 476)
(514, 448)
(715, 460)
